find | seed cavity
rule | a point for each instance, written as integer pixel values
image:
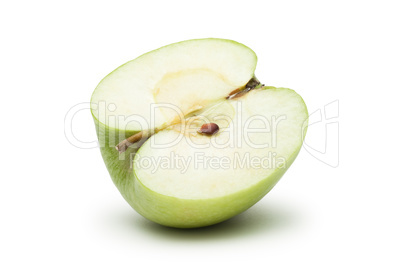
(209, 129)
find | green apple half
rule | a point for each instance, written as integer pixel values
(149, 114)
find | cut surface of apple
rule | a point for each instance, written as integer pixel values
(174, 174)
(188, 75)
(260, 129)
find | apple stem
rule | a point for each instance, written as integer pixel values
(253, 83)
(238, 92)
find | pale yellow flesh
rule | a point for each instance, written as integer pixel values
(274, 119)
(180, 78)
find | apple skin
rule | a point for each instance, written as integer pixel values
(171, 211)
(193, 213)
(119, 165)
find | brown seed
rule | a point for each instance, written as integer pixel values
(234, 92)
(209, 129)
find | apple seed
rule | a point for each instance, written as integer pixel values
(209, 129)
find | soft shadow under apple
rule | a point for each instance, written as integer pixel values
(261, 218)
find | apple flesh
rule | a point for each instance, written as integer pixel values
(188, 75)
(175, 175)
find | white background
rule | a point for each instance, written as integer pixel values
(59, 207)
